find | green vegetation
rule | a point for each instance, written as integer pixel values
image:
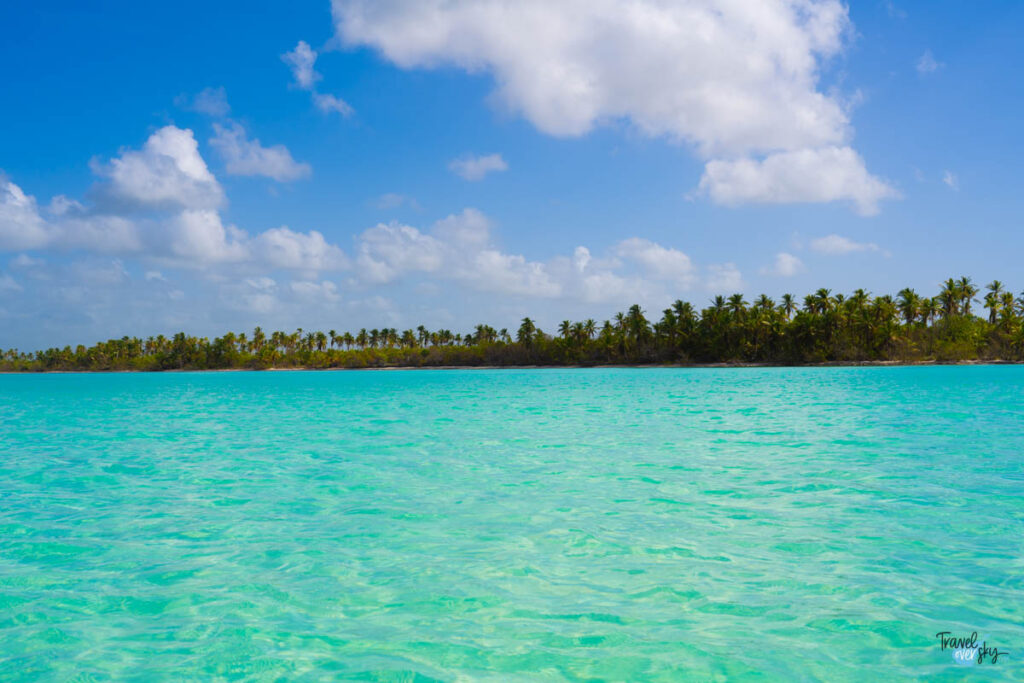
(825, 328)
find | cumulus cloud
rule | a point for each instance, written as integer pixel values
(209, 101)
(806, 175)
(246, 157)
(181, 225)
(476, 167)
(387, 251)
(724, 277)
(460, 248)
(301, 60)
(21, 226)
(284, 248)
(664, 263)
(735, 80)
(199, 237)
(785, 265)
(168, 171)
(838, 245)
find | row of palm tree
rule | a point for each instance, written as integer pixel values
(823, 327)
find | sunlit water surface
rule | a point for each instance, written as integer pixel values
(615, 524)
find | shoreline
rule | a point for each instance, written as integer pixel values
(638, 366)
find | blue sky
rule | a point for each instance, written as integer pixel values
(453, 163)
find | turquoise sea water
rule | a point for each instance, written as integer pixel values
(612, 524)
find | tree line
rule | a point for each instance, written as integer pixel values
(823, 327)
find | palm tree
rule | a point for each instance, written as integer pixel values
(737, 306)
(909, 303)
(967, 293)
(788, 305)
(929, 308)
(823, 300)
(993, 304)
(526, 332)
(949, 298)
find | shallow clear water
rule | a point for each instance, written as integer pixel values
(616, 524)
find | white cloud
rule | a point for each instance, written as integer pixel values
(476, 167)
(808, 175)
(785, 265)
(951, 181)
(301, 60)
(728, 76)
(181, 226)
(209, 101)
(837, 245)
(168, 171)
(723, 278)
(926, 64)
(387, 251)
(249, 158)
(469, 228)
(199, 237)
(664, 263)
(104, 233)
(459, 247)
(315, 291)
(329, 103)
(511, 274)
(21, 226)
(733, 79)
(284, 248)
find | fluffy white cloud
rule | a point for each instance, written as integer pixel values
(21, 226)
(331, 104)
(302, 60)
(494, 271)
(209, 101)
(837, 245)
(284, 248)
(724, 277)
(246, 157)
(664, 263)
(168, 171)
(459, 248)
(199, 237)
(785, 265)
(806, 175)
(182, 226)
(950, 180)
(729, 76)
(315, 291)
(476, 167)
(469, 228)
(733, 78)
(387, 251)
